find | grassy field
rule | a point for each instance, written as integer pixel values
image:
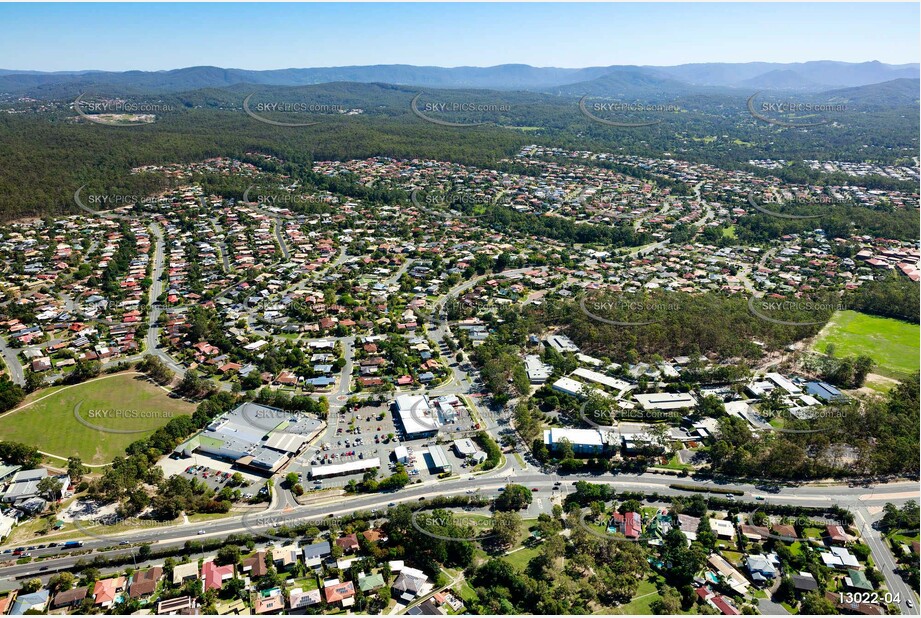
(121, 402)
(892, 344)
(520, 559)
(640, 605)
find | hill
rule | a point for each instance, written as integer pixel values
(500, 77)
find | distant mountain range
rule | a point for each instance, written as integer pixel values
(617, 80)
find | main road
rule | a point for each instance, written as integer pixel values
(485, 484)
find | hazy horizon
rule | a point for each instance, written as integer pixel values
(146, 37)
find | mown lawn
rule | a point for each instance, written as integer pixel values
(892, 344)
(641, 604)
(123, 402)
(521, 558)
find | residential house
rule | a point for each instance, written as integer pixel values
(255, 566)
(411, 583)
(298, 599)
(214, 576)
(144, 583)
(785, 532)
(688, 525)
(836, 535)
(179, 605)
(761, 568)
(804, 582)
(735, 580)
(348, 543)
(839, 558)
(32, 601)
(722, 528)
(183, 573)
(69, 598)
(367, 583)
(338, 592)
(105, 591)
(315, 553)
(269, 602)
(629, 524)
(856, 580)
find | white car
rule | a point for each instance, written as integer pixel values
(201, 532)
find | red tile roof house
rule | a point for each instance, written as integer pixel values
(105, 591)
(348, 543)
(274, 603)
(214, 576)
(338, 592)
(375, 535)
(629, 524)
(836, 534)
(723, 605)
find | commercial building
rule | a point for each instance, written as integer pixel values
(824, 391)
(24, 486)
(401, 455)
(583, 441)
(666, 401)
(538, 371)
(254, 436)
(349, 467)
(421, 417)
(568, 386)
(465, 447)
(561, 343)
(440, 460)
(6, 526)
(619, 387)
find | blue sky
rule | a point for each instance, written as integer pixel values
(57, 37)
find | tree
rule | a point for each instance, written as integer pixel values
(31, 585)
(565, 449)
(817, 605)
(514, 498)
(235, 586)
(76, 469)
(228, 554)
(50, 486)
(669, 602)
(682, 562)
(61, 582)
(507, 527)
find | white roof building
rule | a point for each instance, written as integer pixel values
(417, 415)
(465, 447)
(349, 467)
(538, 371)
(568, 386)
(619, 386)
(666, 401)
(6, 526)
(562, 343)
(722, 528)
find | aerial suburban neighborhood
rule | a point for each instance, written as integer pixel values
(406, 339)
